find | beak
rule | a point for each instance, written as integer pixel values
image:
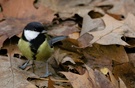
(44, 31)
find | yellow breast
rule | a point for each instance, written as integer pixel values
(43, 53)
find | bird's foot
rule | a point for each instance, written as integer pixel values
(47, 74)
(25, 65)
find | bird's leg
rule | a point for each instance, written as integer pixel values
(33, 64)
(47, 73)
(24, 65)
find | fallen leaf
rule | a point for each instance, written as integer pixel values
(126, 72)
(67, 58)
(16, 18)
(122, 84)
(50, 83)
(103, 81)
(78, 81)
(90, 24)
(104, 70)
(74, 35)
(73, 38)
(58, 86)
(111, 76)
(10, 74)
(63, 30)
(103, 54)
(112, 79)
(132, 58)
(113, 31)
(59, 56)
(119, 6)
(92, 77)
(26, 10)
(84, 40)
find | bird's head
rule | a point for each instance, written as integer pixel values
(32, 30)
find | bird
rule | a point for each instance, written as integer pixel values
(36, 44)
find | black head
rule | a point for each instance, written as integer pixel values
(32, 30)
(34, 26)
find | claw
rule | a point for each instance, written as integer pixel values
(24, 66)
(47, 73)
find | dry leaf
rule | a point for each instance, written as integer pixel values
(67, 58)
(26, 10)
(17, 18)
(115, 82)
(132, 58)
(103, 54)
(10, 74)
(78, 81)
(58, 86)
(102, 80)
(92, 77)
(63, 30)
(71, 8)
(126, 72)
(111, 76)
(119, 6)
(59, 56)
(122, 84)
(84, 40)
(114, 30)
(74, 35)
(51, 83)
(90, 24)
(73, 38)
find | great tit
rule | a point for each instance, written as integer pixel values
(35, 44)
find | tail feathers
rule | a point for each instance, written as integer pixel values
(56, 39)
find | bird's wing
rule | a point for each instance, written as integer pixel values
(54, 40)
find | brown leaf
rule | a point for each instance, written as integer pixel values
(111, 77)
(73, 38)
(122, 84)
(71, 8)
(103, 55)
(1, 16)
(63, 30)
(51, 83)
(18, 14)
(114, 30)
(58, 86)
(90, 79)
(74, 35)
(78, 81)
(26, 10)
(10, 74)
(102, 80)
(132, 58)
(126, 72)
(68, 58)
(119, 6)
(84, 40)
(90, 24)
(59, 56)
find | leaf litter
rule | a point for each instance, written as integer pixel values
(99, 52)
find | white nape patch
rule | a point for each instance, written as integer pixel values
(30, 35)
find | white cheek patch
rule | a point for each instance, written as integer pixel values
(30, 35)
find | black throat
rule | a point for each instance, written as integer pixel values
(35, 43)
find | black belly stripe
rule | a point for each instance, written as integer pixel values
(35, 44)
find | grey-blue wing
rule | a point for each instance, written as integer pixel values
(56, 39)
